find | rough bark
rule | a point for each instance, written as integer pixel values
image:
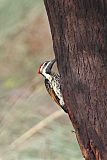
(79, 33)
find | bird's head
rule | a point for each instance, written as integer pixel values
(45, 68)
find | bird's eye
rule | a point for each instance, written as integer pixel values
(45, 63)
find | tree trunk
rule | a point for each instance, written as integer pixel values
(79, 33)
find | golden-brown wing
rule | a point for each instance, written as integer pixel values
(54, 96)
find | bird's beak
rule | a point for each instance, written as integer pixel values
(50, 65)
(53, 61)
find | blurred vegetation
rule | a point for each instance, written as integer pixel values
(25, 42)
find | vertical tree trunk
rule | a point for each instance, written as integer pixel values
(79, 33)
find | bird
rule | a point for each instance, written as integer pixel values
(52, 82)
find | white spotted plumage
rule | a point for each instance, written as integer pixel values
(57, 88)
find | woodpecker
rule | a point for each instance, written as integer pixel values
(52, 83)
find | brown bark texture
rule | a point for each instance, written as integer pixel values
(79, 33)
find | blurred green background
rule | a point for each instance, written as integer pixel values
(25, 42)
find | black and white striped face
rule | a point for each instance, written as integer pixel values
(45, 68)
